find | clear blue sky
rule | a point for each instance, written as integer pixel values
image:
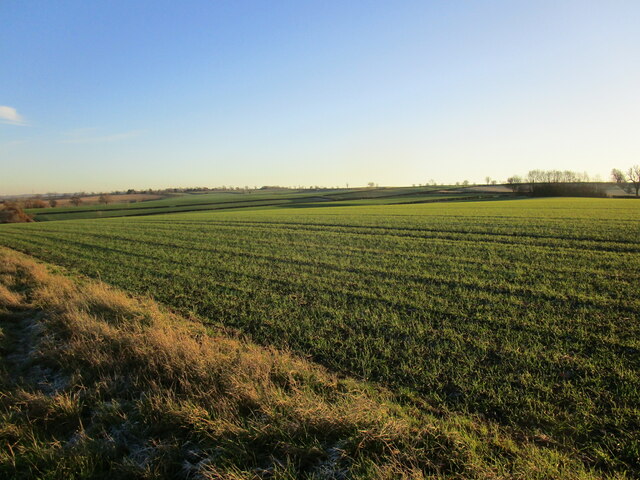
(98, 96)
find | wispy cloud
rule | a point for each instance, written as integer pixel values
(87, 135)
(11, 116)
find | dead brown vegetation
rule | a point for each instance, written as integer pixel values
(34, 203)
(13, 213)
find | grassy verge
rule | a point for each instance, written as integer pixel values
(96, 384)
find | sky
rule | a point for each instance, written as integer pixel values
(103, 96)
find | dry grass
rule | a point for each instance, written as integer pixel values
(11, 212)
(9, 298)
(98, 384)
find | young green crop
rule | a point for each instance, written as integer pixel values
(523, 311)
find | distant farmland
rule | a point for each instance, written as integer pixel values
(520, 312)
(255, 199)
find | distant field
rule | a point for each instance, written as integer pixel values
(525, 312)
(235, 200)
(172, 203)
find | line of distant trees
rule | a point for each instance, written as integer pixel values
(549, 176)
(570, 183)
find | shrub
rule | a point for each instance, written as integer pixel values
(12, 213)
(34, 203)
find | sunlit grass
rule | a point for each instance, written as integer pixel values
(524, 312)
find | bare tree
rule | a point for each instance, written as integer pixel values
(534, 176)
(76, 200)
(514, 179)
(53, 202)
(104, 198)
(633, 175)
(618, 176)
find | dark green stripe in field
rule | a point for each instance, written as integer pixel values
(523, 311)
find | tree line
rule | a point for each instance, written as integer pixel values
(550, 176)
(570, 183)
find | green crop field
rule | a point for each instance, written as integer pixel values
(520, 312)
(235, 200)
